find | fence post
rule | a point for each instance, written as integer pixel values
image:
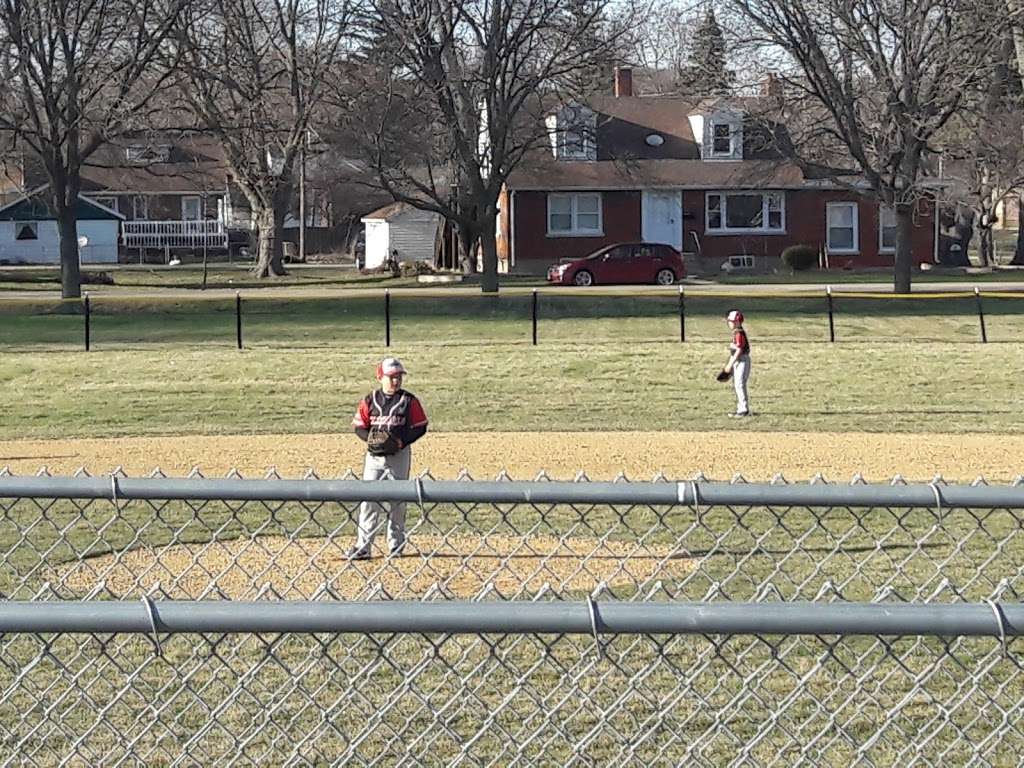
(981, 315)
(87, 321)
(831, 320)
(387, 317)
(682, 315)
(238, 318)
(534, 312)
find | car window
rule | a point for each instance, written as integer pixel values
(665, 252)
(643, 251)
(618, 253)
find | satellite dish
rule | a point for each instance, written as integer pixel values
(83, 241)
(654, 140)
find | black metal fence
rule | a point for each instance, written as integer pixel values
(536, 317)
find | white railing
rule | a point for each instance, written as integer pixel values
(174, 234)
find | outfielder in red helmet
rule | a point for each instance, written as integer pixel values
(739, 361)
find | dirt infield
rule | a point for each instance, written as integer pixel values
(298, 569)
(601, 455)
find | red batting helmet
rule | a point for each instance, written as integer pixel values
(735, 316)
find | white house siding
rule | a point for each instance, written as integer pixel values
(101, 248)
(101, 245)
(413, 235)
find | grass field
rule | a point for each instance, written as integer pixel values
(820, 387)
(168, 367)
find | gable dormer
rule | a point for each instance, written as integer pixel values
(718, 130)
(573, 133)
(147, 154)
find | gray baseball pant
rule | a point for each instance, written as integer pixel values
(395, 467)
(740, 374)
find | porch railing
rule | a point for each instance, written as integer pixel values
(175, 234)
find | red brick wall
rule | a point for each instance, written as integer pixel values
(535, 251)
(805, 223)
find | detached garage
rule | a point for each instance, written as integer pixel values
(400, 229)
(29, 235)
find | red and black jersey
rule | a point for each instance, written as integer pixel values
(400, 414)
(740, 341)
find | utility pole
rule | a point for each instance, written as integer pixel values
(302, 197)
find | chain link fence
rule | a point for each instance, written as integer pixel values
(510, 698)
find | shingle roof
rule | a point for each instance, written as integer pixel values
(652, 174)
(195, 163)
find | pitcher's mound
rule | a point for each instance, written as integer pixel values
(300, 569)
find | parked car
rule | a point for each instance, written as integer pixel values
(622, 263)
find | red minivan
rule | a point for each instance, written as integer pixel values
(622, 263)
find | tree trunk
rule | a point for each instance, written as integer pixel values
(904, 252)
(270, 254)
(985, 254)
(70, 268)
(489, 278)
(964, 230)
(1018, 252)
(467, 250)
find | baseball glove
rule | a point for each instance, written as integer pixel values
(381, 443)
(724, 375)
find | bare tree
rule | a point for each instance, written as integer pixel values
(1015, 16)
(467, 92)
(77, 73)
(252, 73)
(882, 78)
(983, 151)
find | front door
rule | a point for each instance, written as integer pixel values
(663, 218)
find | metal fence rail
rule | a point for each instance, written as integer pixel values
(414, 659)
(192, 538)
(518, 617)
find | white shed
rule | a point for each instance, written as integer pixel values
(29, 234)
(400, 229)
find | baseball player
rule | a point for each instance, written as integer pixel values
(739, 361)
(389, 420)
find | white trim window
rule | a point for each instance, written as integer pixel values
(574, 133)
(721, 139)
(26, 230)
(575, 215)
(729, 212)
(886, 229)
(140, 207)
(191, 208)
(843, 232)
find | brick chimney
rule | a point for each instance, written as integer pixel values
(771, 86)
(623, 81)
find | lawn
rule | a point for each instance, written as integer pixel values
(814, 386)
(169, 366)
(443, 318)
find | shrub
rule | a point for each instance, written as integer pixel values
(415, 268)
(800, 257)
(97, 278)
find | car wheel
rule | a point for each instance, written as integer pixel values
(665, 277)
(583, 278)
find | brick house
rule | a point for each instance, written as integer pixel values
(697, 176)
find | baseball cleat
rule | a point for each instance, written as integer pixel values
(359, 553)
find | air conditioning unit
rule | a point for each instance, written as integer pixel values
(743, 263)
